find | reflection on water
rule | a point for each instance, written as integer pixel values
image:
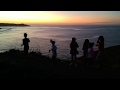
(11, 37)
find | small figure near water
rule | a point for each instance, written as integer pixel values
(26, 44)
(90, 53)
(100, 44)
(73, 51)
(53, 49)
(85, 47)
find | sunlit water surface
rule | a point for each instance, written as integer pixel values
(11, 38)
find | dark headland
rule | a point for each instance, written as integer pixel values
(13, 24)
(14, 65)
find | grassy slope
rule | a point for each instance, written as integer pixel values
(14, 64)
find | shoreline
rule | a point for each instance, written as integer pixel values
(95, 51)
(14, 65)
(12, 24)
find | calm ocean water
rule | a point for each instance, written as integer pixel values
(11, 37)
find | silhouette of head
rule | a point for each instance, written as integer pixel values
(91, 45)
(25, 35)
(100, 39)
(73, 39)
(53, 42)
(86, 41)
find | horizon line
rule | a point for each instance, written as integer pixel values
(62, 24)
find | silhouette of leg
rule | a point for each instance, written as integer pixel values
(100, 57)
(72, 60)
(75, 62)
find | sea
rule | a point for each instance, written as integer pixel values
(40, 35)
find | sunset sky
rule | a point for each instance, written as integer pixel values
(60, 17)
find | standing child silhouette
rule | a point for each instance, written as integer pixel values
(85, 47)
(53, 49)
(26, 44)
(73, 50)
(100, 44)
(90, 53)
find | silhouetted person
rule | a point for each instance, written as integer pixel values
(100, 44)
(85, 47)
(73, 50)
(90, 53)
(26, 44)
(53, 49)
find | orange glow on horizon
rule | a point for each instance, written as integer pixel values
(50, 17)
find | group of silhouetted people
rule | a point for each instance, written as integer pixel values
(88, 52)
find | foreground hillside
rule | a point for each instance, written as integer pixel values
(14, 65)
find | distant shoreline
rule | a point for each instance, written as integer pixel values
(13, 24)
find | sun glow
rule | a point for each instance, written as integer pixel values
(29, 17)
(55, 17)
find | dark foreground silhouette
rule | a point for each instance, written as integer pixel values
(14, 65)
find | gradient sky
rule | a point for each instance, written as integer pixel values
(60, 17)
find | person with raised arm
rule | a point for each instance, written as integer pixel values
(53, 49)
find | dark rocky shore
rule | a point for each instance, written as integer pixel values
(14, 65)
